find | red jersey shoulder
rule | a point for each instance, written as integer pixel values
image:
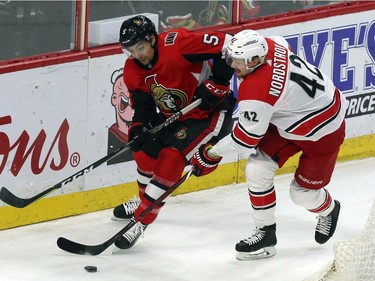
(189, 42)
(278, 59)
(256, 85)
(268, 81)
(133, 76)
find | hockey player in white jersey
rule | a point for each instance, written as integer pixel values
(286, 106)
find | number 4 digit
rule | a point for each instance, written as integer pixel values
(251, 116)
(310, 86)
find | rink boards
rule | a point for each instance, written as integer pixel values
(58, 119)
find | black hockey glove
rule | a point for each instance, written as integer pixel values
(211, 93)
(139, 136)
(202, 162)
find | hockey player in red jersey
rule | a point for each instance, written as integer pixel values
(164, 73)
(286, 106)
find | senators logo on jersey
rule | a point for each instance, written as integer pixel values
(169, 101)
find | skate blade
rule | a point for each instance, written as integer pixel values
(263, 253)
(113, 218)
(118, 251)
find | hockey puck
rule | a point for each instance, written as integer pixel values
(91, 268)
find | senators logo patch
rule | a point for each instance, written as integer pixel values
(169, 101)
(181, 134)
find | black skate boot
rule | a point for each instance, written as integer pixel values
(327, 225)
(258, 246)
(126, 210)
(130, 237)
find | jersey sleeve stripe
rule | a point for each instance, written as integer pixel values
(244, 138)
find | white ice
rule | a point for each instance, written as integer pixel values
(193, 238)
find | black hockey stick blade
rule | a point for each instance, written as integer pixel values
(82, 249)
(18, 202)
(15, 201)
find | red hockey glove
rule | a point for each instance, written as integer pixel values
(203, 163)
(211, 94)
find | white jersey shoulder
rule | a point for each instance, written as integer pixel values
(308, 99)
(281, 41)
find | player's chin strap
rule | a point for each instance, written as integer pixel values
(15, 201)
(81, 249)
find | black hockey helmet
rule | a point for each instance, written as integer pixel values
(136, 29)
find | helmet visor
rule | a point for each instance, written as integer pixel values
(234, 62)
(133, 51)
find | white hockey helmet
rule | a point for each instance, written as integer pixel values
(246, 45)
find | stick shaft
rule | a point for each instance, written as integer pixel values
(82, 249)
(15, 201)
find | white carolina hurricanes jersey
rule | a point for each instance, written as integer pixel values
(295, 96)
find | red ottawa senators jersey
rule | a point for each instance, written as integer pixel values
(181, 66)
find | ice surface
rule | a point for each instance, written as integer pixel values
(193, 238)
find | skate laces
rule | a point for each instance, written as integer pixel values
(256, 237)
(324, 224)
(131, 205)
(135, 232)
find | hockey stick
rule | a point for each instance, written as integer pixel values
(81, 249)
(15, 201)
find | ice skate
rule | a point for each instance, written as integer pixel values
(126, 210)
(327, 225)
(130, 237)
(258, 246)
